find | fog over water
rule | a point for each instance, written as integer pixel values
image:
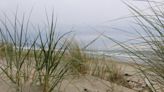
(87, 18)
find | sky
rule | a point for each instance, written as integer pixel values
(71, 12)
(88, 18)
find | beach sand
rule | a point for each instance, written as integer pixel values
(84, 83)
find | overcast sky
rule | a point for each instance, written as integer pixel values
(70, 11)
(83, 15)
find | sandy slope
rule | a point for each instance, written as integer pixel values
(91, 84)
(81, 84)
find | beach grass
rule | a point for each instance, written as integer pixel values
(151, 34)
(44, 63)
(51, 58)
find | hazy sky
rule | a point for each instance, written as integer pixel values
(84, 15)
(70, 11)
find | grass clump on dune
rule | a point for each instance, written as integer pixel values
(86, 62)
(78, 58)
(109, 70)
(151, 35)
(153, 26)
(116, 74)
(41, 62)
(50, 69)
(14, 37)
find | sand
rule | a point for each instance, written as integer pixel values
(81, 84)
(87, 83)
